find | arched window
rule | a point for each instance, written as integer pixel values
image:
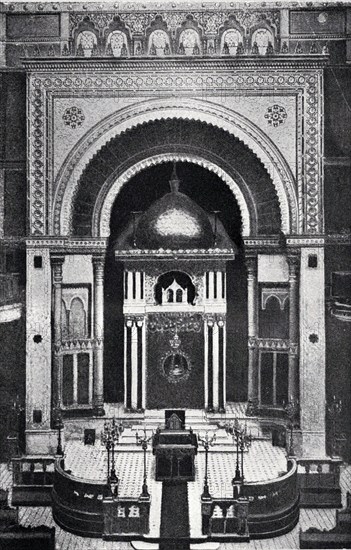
(189, 42)
(170, 296)
(186, 292)
(77, 319)
(86, 42)
(159, 43)
(117, 41)
(261, 38)
(274, 317)
(231, 38)
(64, 321)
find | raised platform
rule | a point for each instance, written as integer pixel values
(320, 518)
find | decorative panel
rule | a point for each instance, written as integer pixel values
(175, 361)
(317, 22)
(22, 26)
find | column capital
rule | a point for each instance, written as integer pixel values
(57, 259)
(293, 259)
(98, 260)
(251, 263)
(56, 264)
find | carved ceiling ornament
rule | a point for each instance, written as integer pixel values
(192, 109)
(42, 87)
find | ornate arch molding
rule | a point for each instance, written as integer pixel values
(108, 194)
(176, 108)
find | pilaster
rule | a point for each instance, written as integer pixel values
(40, 439)
(312, 352)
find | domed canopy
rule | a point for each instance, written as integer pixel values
(174, 222)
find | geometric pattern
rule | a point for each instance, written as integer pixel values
(275, 115)
(73, 117)
(305, 81)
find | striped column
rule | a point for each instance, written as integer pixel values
(215, 367)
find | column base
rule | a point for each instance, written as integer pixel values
(309, 444)
(99, 410)
(41, 442)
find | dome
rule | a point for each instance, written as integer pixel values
(174, 222)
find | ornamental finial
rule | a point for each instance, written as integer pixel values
(174, 182)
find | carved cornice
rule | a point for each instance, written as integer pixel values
(76, 345)
(304, 241)
(273, 344)
(68, 246)
(283, 62)
(152, 6)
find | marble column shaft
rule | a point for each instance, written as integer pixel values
(98, 384)
(56, 264)
(251, 263)
(293, 262)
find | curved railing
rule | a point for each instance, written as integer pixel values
(77, 503)
(264, 509)
(87, 508)
(273, 504)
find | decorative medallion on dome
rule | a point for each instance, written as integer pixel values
(174, 222)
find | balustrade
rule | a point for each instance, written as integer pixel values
(33, 479)
(87, 507)
(264, 509)
(319, 483)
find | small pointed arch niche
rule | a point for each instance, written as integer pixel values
(175, 287)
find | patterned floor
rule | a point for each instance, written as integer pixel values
(320, 518)
(261, 462)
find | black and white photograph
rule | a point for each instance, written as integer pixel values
(175, 275)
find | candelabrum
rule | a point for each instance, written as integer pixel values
(334, 409)
(143, 441)
(206, 441)
(242, 441)
(58, 425)
(291, 410)
(110, 438)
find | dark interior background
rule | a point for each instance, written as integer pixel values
(211, 193)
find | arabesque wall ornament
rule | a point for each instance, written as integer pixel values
(73, 117)
(199, 110)
(234, 77)
(275, 115)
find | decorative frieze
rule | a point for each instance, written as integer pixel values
(185, 322)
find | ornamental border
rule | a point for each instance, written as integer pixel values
(194, 109)
(40, 84)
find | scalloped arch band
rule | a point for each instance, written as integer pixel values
(172, 108)
(103, 206)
